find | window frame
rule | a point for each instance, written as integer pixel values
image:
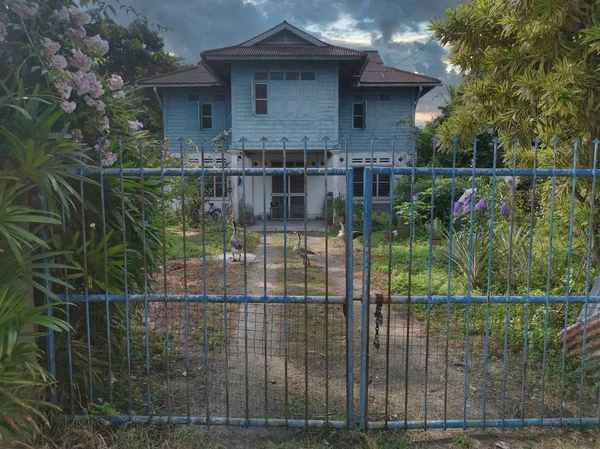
(201, 115)
(375, 187)
(363, 115)
(255, 99)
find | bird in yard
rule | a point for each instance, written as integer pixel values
(236, 244)
(305, 253)
(343, 236)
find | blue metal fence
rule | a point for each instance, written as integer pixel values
(451, 358)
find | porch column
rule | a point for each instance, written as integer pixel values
(338, 183)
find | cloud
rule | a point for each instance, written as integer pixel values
(396, 28)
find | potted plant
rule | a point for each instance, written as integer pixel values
(437, 232)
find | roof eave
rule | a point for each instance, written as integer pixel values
(291, 57)
(432, 85)
(179, 85)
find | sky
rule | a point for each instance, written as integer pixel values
(396, 28)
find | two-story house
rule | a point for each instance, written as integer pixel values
(285, 82)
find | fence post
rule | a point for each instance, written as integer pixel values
(364, 310)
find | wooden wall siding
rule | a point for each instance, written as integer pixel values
(295, 109)
(284, 37)
(181, 116)
(381, 117)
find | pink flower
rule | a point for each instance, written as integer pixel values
(120, 94)
(76, 33)
(104, 124)
(3, 32)
(108, 160)
(135, 125)
(61, 14)
(49, 47)
(68, 106)
(87, 83)
(59, 62)
(24, 10)
(81, 18)
(115, 82)
(81, 61)
(96, 45)
(63, 89)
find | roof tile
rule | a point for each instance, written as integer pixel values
(197, 75)
(283, 50)
(377, 73)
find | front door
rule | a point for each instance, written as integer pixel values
(294, 198)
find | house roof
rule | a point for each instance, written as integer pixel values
(285, 41)
(197, 75)
(376, 72)
(266, 44)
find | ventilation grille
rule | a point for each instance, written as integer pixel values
(367, 160)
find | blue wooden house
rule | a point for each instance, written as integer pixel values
(285, 82)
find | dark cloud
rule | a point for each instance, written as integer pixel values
(203, 24)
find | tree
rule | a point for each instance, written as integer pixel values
(136, 51)
(530, 69)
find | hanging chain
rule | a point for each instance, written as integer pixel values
(378, 318)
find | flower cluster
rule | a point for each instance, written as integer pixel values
(135, 125)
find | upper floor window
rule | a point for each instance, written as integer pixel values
(358, 115)
(206, 116)
(260, 98)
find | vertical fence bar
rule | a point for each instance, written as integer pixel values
(364, 309)
(349, 291)
(471, 200)
(225, 317)
(411, 239)
(389, 304)
(50, 337)
(165, 283)
(125, 277)
(548, 274)
(246, 361)
(284, 141)
(69, 329)
(265, 327)
(145, 271)
(568, 279)
(305, 282)
(489, 283)
(434, 142)
(509, 279)
(107, 304)
(448, 290)
(536, 143)
(185, 294)
(325, 151)
(204, 290)
(86, 290)
(596, 142)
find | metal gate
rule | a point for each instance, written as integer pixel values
(276, 342)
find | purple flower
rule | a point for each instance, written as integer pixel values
(505, 210)
(25, 10)
(81, 18)
(97, 45)
(76, 33)
(104, 124)
(3, 32)
(61, 14)
(467, 206)
(49, 47)
(135, 125)
(466, 196)
(59, 62)
(63, 89)
(482, 205)
(119, 94)
(457, 208)
(68, 106)
(115, 82)
(81, 61)
(108, 159)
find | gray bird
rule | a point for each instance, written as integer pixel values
(237, 246)
(304, 253)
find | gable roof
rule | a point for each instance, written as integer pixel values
(197, 75)
(376, 72)
(304, 46)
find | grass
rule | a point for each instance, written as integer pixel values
(86, 435)
(213, 241)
